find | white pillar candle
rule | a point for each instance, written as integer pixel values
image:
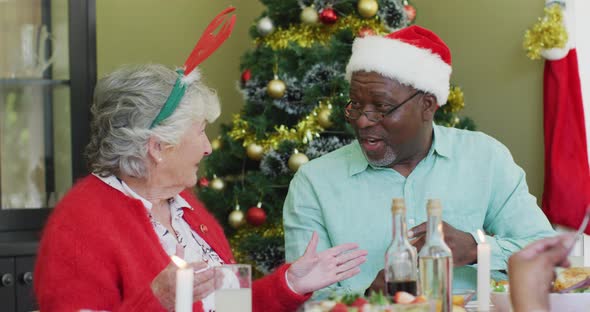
(184, 286)
(483, 273)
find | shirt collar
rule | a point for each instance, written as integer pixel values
(440, 141)
(359, 163)
(176, 202)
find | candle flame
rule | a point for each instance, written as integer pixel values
(482, 237)
(181, 264)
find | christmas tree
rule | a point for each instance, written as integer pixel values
(294, 90)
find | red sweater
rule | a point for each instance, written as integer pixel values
(99, 251)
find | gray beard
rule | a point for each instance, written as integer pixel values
(386, 161)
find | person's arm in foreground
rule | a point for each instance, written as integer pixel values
(531, 272)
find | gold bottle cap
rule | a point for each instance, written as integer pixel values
(434, 207)
(398, 206)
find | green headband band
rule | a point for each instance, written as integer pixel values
(173, 100)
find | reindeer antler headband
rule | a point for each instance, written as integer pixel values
(207, 44)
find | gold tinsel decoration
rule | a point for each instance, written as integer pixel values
(303, 132)
(455, 101)
(305, 35)
(547, 33)
(267, 230)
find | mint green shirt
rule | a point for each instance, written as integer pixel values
(344, 199)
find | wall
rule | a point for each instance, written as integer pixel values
(165, 32)
(503, 88)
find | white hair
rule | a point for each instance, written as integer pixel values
(126, 103)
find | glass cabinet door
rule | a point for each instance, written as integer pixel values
(35, 123)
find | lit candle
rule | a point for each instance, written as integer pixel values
(483, 273)
(184, 286)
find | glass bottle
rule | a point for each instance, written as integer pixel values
(436, 260)
(401, 259)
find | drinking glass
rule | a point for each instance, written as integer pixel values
(233, 284)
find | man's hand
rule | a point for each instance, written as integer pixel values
(531, 272)
(462, 244)
(378, 284)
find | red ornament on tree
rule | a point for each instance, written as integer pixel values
(256, 215)
(246, 75)
(366, 31)
(410, 12)
(328, 16)
(203, 182)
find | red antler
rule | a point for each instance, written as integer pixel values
(209, 42)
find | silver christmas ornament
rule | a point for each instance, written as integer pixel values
(265, 26)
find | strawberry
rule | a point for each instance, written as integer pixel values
(359, 303)
(339, 307)
(419, 299)
(403, 297)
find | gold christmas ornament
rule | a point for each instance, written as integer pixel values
(236, 218)
(296, 160)
(255, 151)
(324, 118)
(367, 8)
(216, 144)
(276, 88)
(217, 184)
(309, 15)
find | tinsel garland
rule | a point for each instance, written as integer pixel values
(547, 33)
(306, 35)
(244, 234)
(455, 101)
(303, 132)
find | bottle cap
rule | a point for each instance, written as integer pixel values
(434, 207)
(398, 206)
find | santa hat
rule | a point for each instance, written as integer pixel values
(413, 56)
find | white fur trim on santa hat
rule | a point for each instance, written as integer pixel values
(406, 63)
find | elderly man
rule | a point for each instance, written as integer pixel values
(397, 82)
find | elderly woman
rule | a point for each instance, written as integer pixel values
(108, 243)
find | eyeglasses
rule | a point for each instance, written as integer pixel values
(373, 116)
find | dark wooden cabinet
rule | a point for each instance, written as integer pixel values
(61, 95)
(16, 285)
(7, 284)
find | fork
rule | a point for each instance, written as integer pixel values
(581, 229)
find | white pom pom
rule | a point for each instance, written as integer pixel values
(192, 77)
(555, 53)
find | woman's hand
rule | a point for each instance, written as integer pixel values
(164, 284)
(314, 270)
(531, 272)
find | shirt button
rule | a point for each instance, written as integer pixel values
(204, 228)
(411, 221)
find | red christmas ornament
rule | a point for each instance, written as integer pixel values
(328, 16)
(203, 182)
(246, 75)
(410, 12)
(366, 31)
(256, 215)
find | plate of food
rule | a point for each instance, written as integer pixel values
(377, 302)
(400, 302)
(571, 292)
